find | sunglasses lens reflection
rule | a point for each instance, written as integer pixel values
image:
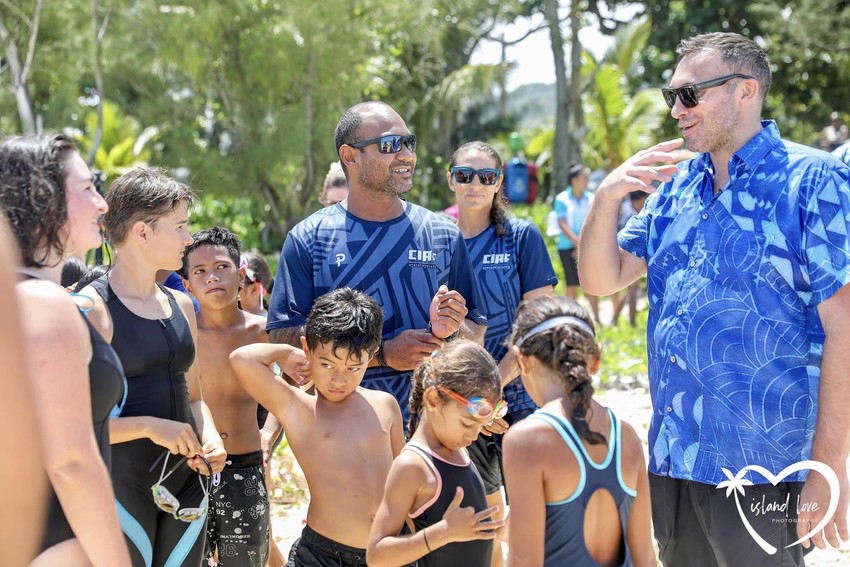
(488, 177)
(464, 175)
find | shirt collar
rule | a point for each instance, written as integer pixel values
(754, 151)
(750, 154)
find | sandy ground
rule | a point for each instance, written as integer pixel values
(632, 406)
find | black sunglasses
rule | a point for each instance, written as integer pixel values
(389, 144)
(464, 175)
(688, 94)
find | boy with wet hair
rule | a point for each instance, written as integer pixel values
(238, 522)
(344, 436)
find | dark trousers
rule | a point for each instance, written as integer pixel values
(697, 525)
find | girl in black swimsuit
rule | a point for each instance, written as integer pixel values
(47, 193)
(153, 331)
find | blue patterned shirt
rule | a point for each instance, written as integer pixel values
(734, 282)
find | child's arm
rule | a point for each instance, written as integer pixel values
(407, 477)
(397, 428)
(638, 532)
(524, 482)
(252, 368)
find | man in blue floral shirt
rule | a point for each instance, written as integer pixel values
(746, 251)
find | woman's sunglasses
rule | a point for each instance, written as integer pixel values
(389, 144)
(465, 175)
(167, 502)
(689, 94)
(479, 407)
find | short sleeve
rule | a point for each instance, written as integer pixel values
(634, 236)
(560, 208)
(462, 279)
(292, 294)
(535, 266)
(825, 200)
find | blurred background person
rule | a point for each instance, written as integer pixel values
(335, 188)
(835, 133)
(257, 284)
(571, 206)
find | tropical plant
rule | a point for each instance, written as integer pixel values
(124, 143)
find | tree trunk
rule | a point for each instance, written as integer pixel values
(578, 130)
(98, 31)
(561, 152)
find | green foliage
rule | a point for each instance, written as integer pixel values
(624, 347)
(624, 353)
(123, 144)
(241, 215)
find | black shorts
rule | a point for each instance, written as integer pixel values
(698, 525)
(486, 453)
(313, 549)
(568, 260)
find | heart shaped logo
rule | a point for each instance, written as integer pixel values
(736, 484)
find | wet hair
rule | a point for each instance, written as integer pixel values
(215, 236)
(742, 54)
(463, 367)
(91, 274)
(32, 193)
(262, 270)
(72, 271)
(345, 318)
(574, 171)
(143, 194)
(565, 348)
(499, 210)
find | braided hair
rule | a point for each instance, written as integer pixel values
(499, 209)
(463, 367)
(565, 348)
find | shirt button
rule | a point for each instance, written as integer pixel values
(705, 216)
(669, 409)
(680, 311)
(673, 359)
(692, 263)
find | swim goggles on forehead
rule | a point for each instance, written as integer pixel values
(556, 322)
(689, 94)
(464, 175)
(478, 407)
(389, 144)
(167, 502)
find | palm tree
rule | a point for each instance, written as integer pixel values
(620, 119)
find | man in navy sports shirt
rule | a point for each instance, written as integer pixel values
(413, 262)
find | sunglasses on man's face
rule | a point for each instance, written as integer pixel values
(464, 175)
(389, 144)
(168, 503)
(478, 407)
(689, 94)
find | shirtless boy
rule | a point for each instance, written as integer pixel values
(238, 523)
(344, 436)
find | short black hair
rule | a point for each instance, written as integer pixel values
(345, 318)
(215, 236)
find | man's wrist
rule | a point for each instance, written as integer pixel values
(451, 337)
(379, 356)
